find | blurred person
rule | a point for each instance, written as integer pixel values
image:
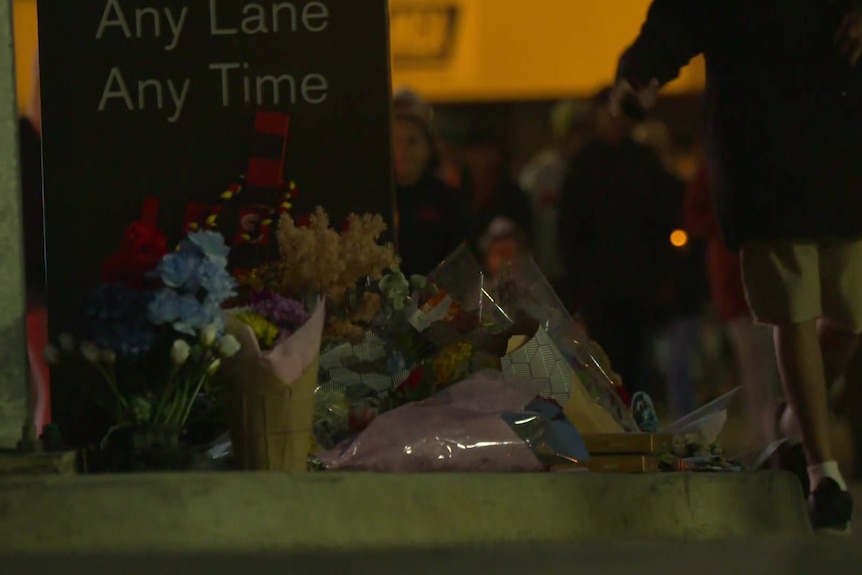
(617, 211)
(784, 105)
(451, 164)
(502, 244)
(752, 344)
(431, 223)
(30, 143)
(406, 101)
(490, 189)
(542, 179)
(683, 295)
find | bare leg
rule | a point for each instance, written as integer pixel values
(800, 362)
(755, 356)
(837, 345)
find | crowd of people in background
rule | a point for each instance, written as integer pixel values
(597, 209)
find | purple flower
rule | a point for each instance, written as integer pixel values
(285, 313)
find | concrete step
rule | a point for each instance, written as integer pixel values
(249, 512)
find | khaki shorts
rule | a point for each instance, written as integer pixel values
(793, 282)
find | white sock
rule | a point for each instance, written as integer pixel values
(817, 473)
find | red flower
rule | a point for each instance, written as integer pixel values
(142, 249)
(413, 380)
(142, 237)
(624, 395)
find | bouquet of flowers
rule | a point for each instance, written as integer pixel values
(270, 383)
(489, 422)
(318, 261)
(154, 330)
(578, 373)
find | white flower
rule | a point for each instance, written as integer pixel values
(67, 342)
(228, 346)
(208, 335)
(51, 355)
(180, 352)
(214, 367)
(90, 351)
(107, 356)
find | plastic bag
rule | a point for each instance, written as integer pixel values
(481, 424)
(524, 291)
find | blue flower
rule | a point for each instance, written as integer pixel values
(189, 320)
(216, 280)
(165, 307)
(116, 319)
(181, 270)
(184, 313)
(211, 245)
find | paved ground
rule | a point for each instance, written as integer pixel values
(807, 556)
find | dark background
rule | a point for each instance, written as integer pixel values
(99, 167)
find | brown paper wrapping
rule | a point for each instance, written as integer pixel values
(586, 414)
(270, 422)
(270, 396)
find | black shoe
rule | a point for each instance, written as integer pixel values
(831, 509)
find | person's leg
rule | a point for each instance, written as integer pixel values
(754, 352)
(616, 325)
(683, 338)
(40, 375)
(800, 362)
(784, 283)
(838, 344)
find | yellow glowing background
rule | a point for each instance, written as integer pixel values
(498, 49)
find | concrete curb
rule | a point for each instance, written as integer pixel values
(248, 512)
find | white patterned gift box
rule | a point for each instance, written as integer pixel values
(540, 360)
(338, 366)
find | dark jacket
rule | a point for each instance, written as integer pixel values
(34, 228)
(431, 224)
(784, 111)
(617, 210)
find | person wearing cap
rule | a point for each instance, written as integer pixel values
(502, 244)
(430, 220)
(784, 110)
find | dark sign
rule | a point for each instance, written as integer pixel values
(169, 104)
